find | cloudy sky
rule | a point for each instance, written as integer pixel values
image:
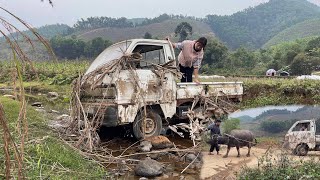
(39, 13)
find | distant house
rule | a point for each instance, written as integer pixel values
(271, 72)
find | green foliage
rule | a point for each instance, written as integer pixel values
(230, 124)
(275, 126)
(263, 92)
(72, 48)
(253, 27)
(215, 53)
(313, 46)
(158, 19)
(94, 47)
(281, 167)
(301, 65)
(47, 156)
(183, 30)
(101, 22)
(49, 31)
(308, 28)
(55, 73)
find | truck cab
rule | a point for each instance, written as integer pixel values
(301, 137)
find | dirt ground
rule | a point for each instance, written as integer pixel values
(217, 167)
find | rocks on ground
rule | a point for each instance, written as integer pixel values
(60, 123)
(53, 95)
(36, 104)
(145, 146)
(10, 96)
(160, 142)
(149, 168)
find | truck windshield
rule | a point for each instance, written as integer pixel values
(111, 53)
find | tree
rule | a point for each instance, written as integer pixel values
(215, 53)
(243, 58)
(95, 47)
(147, 35)
(301, 65)
(230, 125)
(183, 30)
(313, 47)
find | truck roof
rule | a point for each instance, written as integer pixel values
(145, 41)
(117, 50)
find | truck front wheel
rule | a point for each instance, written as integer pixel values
(153, 124)
(302, 150)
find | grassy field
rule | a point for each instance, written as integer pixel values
(46, 156)
(49, 72)
(57, 76)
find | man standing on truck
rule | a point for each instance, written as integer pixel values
(190, 57)
(215, 132)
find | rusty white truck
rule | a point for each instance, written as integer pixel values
(301, 138)
(135, 82)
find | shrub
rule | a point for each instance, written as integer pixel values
(230, 124)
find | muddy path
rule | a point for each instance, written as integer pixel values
(216, 167)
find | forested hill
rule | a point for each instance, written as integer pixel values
(253, 27)
(308, 28)
(49, 31)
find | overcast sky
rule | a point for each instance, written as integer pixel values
(39, 13)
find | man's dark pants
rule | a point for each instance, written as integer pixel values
(214, 143)
(187, 73)
(214, 146)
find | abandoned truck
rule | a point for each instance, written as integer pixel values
(135, 82)
(301, 138)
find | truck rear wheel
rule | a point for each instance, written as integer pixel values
(153, 124)
(302, 150)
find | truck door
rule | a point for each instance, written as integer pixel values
(302, 133)
(161, 84)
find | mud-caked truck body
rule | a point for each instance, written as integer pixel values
(146, 94)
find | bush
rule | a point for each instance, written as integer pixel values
(230, 124)
(275, 126)
(282, 167)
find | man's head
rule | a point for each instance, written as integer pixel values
(200, 44)
(218, 122)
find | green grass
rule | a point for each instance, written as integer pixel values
(47, 156)
(263, 92)
(53, 73)
(281, 167)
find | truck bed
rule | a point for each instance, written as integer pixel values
(317, 139)
(231, 90)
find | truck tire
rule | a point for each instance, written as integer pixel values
(302, 150)
(153, 124)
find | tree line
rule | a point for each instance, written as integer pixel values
(103, 22)
(300, 57)
(73, 48)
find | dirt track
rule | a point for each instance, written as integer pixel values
(217, 167)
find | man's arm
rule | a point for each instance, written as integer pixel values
(196, 66)
(196, 75)
(210, 126)
(172, 44)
